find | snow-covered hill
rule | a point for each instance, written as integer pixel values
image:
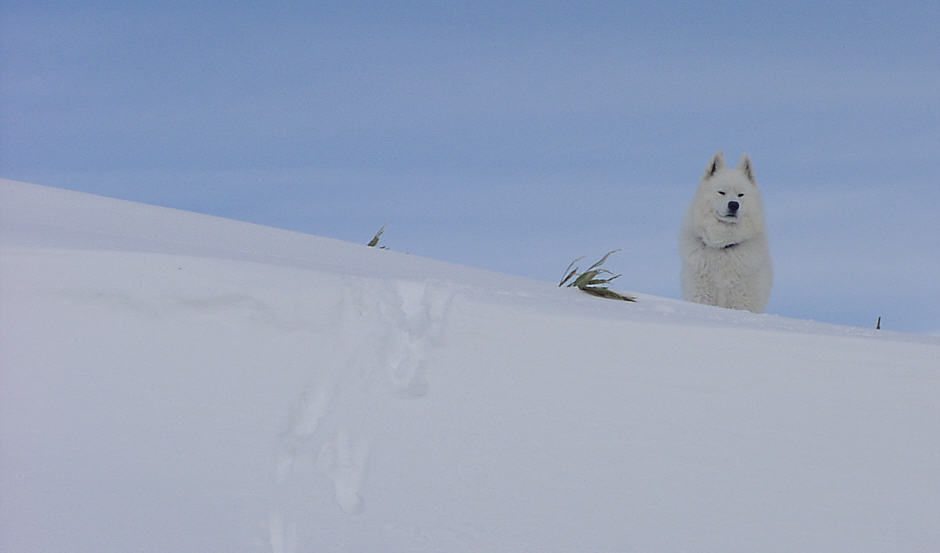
(173, 382)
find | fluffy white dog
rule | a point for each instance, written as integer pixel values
(725, 259)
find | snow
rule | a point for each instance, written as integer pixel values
(178, 382)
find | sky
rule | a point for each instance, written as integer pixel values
(508, 136)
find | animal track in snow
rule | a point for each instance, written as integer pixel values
(283, 537)
(413, 314)
(303, 423)
(386, 335)
(344, 461)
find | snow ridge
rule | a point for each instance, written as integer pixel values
(172, 382)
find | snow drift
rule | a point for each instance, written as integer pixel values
(173, 382)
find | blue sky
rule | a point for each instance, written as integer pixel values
(509, 136)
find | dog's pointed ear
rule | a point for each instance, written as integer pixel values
(747, 168)
(716, 164)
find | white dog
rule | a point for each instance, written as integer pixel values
(725, 259)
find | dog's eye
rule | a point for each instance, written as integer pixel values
(721, 192)
(741, 195)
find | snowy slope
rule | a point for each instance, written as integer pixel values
(177, 382)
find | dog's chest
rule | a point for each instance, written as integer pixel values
(737, 260)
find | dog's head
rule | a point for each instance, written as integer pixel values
(731, 193)
(727, 203)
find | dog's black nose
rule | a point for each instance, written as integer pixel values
(733, 206)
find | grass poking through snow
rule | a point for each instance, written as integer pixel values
(592, 280)
(375, 239)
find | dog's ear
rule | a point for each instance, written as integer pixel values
(748, 169)
(716, 164)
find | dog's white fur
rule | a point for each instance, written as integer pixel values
(725, 258)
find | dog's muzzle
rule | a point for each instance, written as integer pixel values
(733, 209)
